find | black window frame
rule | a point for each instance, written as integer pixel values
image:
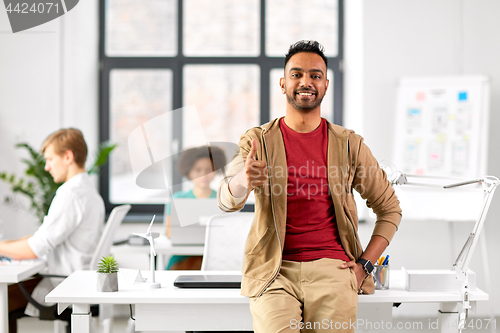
(177, 63)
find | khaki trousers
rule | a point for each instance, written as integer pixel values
(315, 296)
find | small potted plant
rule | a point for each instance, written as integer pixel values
(107, 279)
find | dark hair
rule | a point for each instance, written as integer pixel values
(311, 46)
(190, 156)
(68, 139)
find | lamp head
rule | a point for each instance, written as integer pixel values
(394, 176)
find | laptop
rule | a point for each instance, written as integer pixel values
(188, 219)
(208, 281)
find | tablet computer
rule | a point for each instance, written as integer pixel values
(208, 281)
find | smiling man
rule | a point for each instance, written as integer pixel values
(304, 264)
(71, 230)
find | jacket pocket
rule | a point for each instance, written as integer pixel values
(261, 243)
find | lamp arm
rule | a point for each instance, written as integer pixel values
(463, 259)
(468, 182)
(489, 186)
(401, 178)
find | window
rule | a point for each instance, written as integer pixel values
(223, 57)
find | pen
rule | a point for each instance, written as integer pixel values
(381, 260)
(386, 261)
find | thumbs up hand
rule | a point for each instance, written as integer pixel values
(255, 171)
(253, 151)
(253, 174)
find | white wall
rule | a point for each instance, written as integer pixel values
(29, 103)
(423, 38)
(48, 78)
(48, 81)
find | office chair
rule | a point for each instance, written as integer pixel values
(102, 249)
(225, 240)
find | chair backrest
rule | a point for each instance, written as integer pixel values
(225, 240)
(104, 246)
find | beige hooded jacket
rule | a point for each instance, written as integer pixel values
(350, 166)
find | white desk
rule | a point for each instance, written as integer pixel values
(13, 273)
(175, 309)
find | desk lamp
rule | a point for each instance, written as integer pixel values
(150, 236)
(488, 186)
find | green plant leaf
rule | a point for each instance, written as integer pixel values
(17, 189)
(107, 265)
(101, 156)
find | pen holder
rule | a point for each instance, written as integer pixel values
(381, 277)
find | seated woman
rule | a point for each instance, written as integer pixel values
(196, 165)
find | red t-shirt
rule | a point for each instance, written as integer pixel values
(311, 228)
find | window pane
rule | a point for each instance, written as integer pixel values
(278, 100)
(136, 96)
(141, 28)
(227, 100)
(288, 21)
(221, 28)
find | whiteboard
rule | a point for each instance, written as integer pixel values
(442, 130)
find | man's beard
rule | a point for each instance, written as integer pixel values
(306, 108)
